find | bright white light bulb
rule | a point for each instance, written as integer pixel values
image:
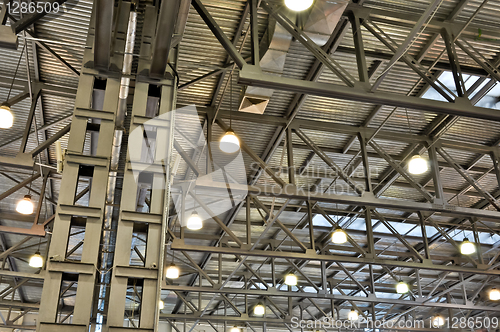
(172, 272)
(353, 315)
(6, 117)
(259, 310)
(437, 321)
(235, 329)
(161, 305)
(467, 247)
(494, 294)
(402, 288)
(339, 236)
(36, 260)
(298, 5)
(229, 143)
(418, 165)
(291, 280)
(194, 222)
(25, 206)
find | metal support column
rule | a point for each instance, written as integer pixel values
(79, 164)
(147, 157)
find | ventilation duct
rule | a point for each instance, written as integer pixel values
(319, 24)
(322, 20)
(275, 43)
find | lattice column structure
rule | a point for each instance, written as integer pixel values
(147, 166)
(90, 118)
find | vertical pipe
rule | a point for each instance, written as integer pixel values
(289, 153)
(249, 221)
(311, 228)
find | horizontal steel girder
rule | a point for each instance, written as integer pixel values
(253, 76)
(350, 130)
(372, 299)
(179, 244)
(292, 192)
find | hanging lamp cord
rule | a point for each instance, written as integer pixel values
(15, 73)
(231, 103)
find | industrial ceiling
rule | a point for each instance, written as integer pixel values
(344, 103)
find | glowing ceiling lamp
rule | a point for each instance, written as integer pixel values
(418, 165)
(259, 310)
(229, 143)
(494, 294)
(235, 329)
(25, 206)
(291, 279)
(353, 315)
(194, 222)
(437, 321)
(36, 260)
(172, 272)
(161, 305)
(339, 236)
(402, 288)
(6, 117)
(467, 247)
(298, 5)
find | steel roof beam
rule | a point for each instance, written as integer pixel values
(292, 192)
(19, 186)
(408, 20)
(180, 245)
(311, 295)
(45, 145)
(48, 49)
(41, 129)
(218, 33)
(353, 130)
(169, 10)
(424, 73)
(403, 48)
(103, 33)
(251, 76)
(16, 99)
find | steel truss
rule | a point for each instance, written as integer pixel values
(319, 293)
(363, 199)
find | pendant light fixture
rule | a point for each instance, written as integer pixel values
(298, 5)
(339, 236)
(467, 247)
(6, 116)
(417, 164)
(402, 287)
(259, 310)
(36, 260)
(291, 280)
(25, 206)
(438, 321)
(229, 143)
(194, 222)
(353, 315)
(494, 294)
(173, 271)
(235, 329)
